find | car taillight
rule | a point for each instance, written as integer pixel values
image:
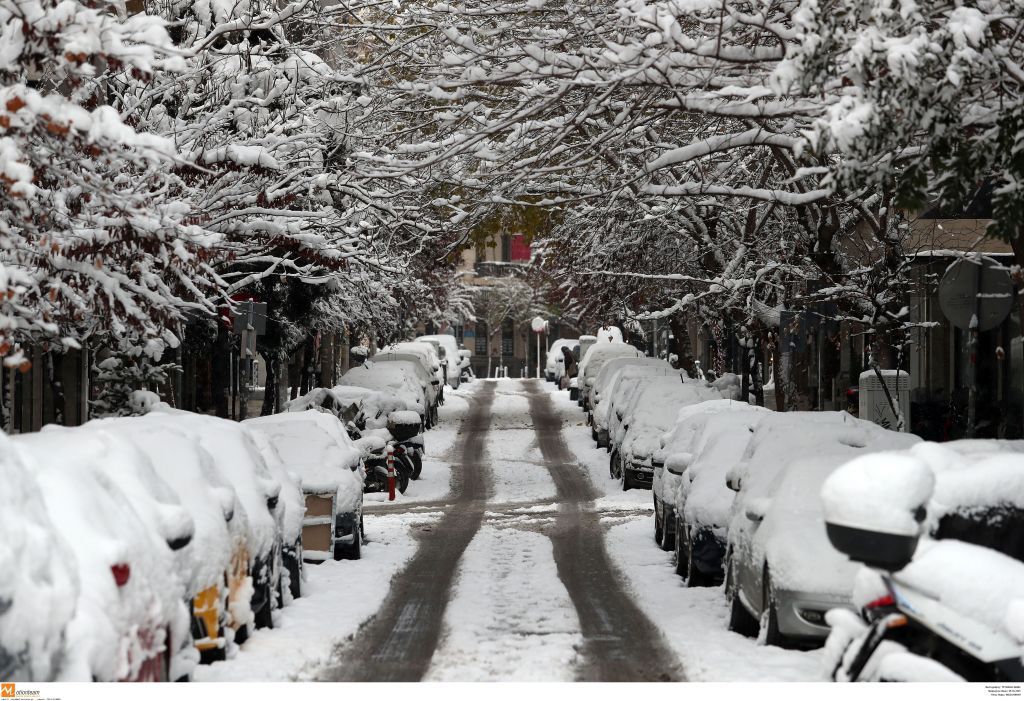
(121, 573)
(881, 602)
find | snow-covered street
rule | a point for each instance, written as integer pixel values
(531, 564)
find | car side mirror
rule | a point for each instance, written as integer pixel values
(756, 509)
(677, 463)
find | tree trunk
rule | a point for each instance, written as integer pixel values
(270, 386)
(681, 345)
(221, 371)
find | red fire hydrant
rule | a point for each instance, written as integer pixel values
(391, 472)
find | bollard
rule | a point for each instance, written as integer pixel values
(391, 472)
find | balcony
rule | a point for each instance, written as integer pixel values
(496, 268)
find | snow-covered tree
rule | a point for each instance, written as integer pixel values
(91, 240)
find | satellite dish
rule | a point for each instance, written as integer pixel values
(979, 287)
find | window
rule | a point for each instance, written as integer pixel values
(507, 337)
(506, 248)
(481, 339)
(520, 249)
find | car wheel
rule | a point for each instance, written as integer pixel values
(294, 566)
(627, 483)
(694, 577)
(770, 617)
(402, 480)
(242, 634)
(265, 616)
(593, 432)
(659, 529)
(668, 537)
(682, 561)
(740, 620)
(417, 465)
(353, 550)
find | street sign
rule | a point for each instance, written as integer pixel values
(249, 314)
(976, 287)
(538, 324)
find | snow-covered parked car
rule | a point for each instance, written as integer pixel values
(649, 416)
(699, 501)
(216, 574)
(291, 508)
(315, 446)
(39, 587)
(604, 386)
(947, 607)
(596, 357)
(426, 357)
(241, 463)
(131, 620)
(554, 363)
(782, 574)
(399, 379)
(366, 408)
(679, 446)
(449, 356)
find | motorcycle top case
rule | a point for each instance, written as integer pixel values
(888, 551)
(404, 428)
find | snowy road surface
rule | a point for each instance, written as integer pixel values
(515, 558)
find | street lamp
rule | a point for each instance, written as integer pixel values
(538, 325)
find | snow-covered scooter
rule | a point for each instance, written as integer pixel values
(934, 610)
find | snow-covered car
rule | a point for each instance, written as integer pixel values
(290, 510)
(428, 357)
(678, 446)
(394, 378)
(782, 574)
(449, 356)
(948, 606)
(316, 447)
(594, 360)
(554, 364)
(618, 393)
(414, 366)
(609, 334)
(153, 500)
(131, 620)
(39, 587)
(217, 577)
(366, 408)
(697, 502)
(241, 463)
(649, 416)
(604, 383)
(371, 413)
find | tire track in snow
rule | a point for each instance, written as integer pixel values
(621, 643)
(397, 645)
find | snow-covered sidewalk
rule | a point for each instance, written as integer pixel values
(339, 596)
